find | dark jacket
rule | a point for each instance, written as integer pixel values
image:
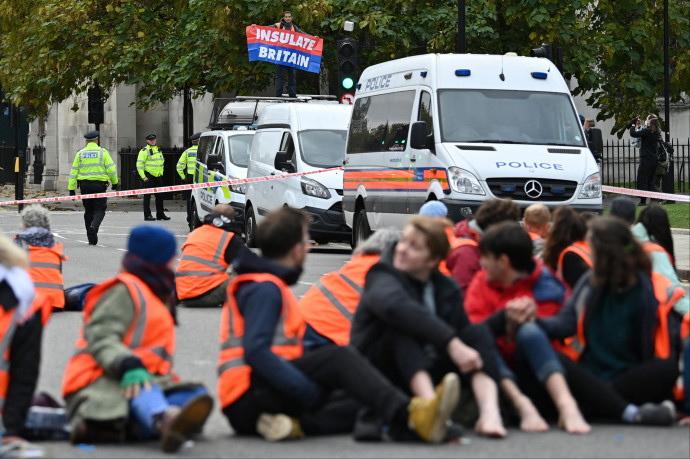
(35, 236)
(391, 299)
(260, 304)
(25, 359)
(283, 25)
(648, 143)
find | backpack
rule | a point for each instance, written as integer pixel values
(663, 157)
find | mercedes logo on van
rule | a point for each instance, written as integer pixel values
(533, 189)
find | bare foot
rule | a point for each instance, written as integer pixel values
(530, 419)
(685, 421)
(490, 425)
(571, 421)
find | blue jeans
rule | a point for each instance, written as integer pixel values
(534, 349)
(151, 403)
(292, 80)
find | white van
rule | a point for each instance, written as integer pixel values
(300, 137)
(462, 128)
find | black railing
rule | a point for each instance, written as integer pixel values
(620, 161)
(129, 178)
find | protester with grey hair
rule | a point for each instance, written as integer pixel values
(45, 258)
(328, 306)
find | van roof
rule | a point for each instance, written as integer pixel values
(305, 116)
(477, 71)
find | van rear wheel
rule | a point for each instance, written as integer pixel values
(361, 231)
(196, 221)
(250, 228)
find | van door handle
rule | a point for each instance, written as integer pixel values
(273, 173)
(413, 159)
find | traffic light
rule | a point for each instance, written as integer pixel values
(95, 106)
(347, 66)
(552, 52)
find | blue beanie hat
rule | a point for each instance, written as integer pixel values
(434, 209)
(154, 244)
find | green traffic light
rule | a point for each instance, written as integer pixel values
(348, 83)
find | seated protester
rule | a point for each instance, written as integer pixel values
(653, 230)
(510, 275)
(535, 221)
(436, 209)
(201, 278)
(624, 208)
(267, 383)
(328, 306)
(20, 338)
(410, 323)
(45, 258)
(463, 258)
(622, 357)
(121, 381)
(566, 252)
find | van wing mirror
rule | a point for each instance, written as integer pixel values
(283, 162)
(213, 162)
(418, 138)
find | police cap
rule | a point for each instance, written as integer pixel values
(92, 135)
(194, 137)
(151, 137)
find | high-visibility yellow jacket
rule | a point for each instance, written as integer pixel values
(92, 162)
(187, 161)
(150, 160)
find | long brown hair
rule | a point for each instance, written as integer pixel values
(567, 227)
(616, 254)
(655, 126)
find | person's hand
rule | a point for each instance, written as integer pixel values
(145, 179)
(463, 356)
(72, 193)
(521, 310)
(114, 187)
(133, 380)
(635, 121)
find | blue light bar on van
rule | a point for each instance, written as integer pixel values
(359, 85)
(462, 72)
(423, 74)
(540, 75)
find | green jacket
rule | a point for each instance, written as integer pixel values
(92, 162)
(187, 161)
(150, 160)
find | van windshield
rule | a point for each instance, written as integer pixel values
(240, 146)
(498, 116)
(322, 148)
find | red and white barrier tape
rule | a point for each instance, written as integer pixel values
(165, 189)
(647, 194)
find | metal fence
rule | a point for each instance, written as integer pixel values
(620, 160)
(129, 178)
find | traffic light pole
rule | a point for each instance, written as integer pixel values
(462, 47)
(19, 164)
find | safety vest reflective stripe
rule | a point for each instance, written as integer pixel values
(580, 248)
(150, 159)
(48, 285)
(8, 325)
(204, 262)
(92, 163)
(335, 302)
(202, 266)
(462, 241)
(187, 161)
(40, 264)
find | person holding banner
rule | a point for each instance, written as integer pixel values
(286, 24)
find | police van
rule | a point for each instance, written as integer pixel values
(461, 129)
(300, 137)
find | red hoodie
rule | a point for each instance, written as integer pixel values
(463, 262)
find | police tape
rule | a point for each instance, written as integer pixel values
(166, 189)
(647, 194)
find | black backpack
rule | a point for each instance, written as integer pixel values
(662, 153)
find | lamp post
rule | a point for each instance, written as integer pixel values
(667, 75)
(461, 27)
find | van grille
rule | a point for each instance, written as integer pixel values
(552, 190)
(475, 147)
(337, 207)
(564, 151)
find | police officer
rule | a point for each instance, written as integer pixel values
(150, 169)
(91, 170)
(187, 162)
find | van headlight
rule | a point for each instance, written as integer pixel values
(464, 181)
(240, 188)
(591, 188)
(313, 188)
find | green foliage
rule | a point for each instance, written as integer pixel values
(53, 48)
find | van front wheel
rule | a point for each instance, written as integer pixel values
(250, 228)
(196, 221)
(361, 228)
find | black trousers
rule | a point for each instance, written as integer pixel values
(281, 70)
(154, 182)
(188, 198)
(646, 180)
(352, 382)
(94, 209)
(650, 381)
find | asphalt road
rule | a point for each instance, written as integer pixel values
(196, 355)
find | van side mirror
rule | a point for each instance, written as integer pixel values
(418, 138)
(283, 162)
(213, 163)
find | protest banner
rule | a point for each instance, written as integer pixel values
(284, 47)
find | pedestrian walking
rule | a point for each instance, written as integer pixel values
(150, 168)
(91, 170)
(186, 167)
(650, 135)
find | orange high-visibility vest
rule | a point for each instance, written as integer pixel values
(443, 266)
(202, 265)
(650, 247)
(666, 295)
(329, 306)
(454, 244)
(45, 269)
(580, 248)
(151, 336)
(42, 305)
(8, 325)
(233, 372)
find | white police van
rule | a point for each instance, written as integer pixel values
(463, 128)
(300, 137)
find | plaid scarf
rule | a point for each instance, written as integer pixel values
(159, 278)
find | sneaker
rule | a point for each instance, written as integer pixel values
(178, 424)
(368, 427)
(429, 418)
(657, 414)
(92, 235)
(97, 432)
(276, 427)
